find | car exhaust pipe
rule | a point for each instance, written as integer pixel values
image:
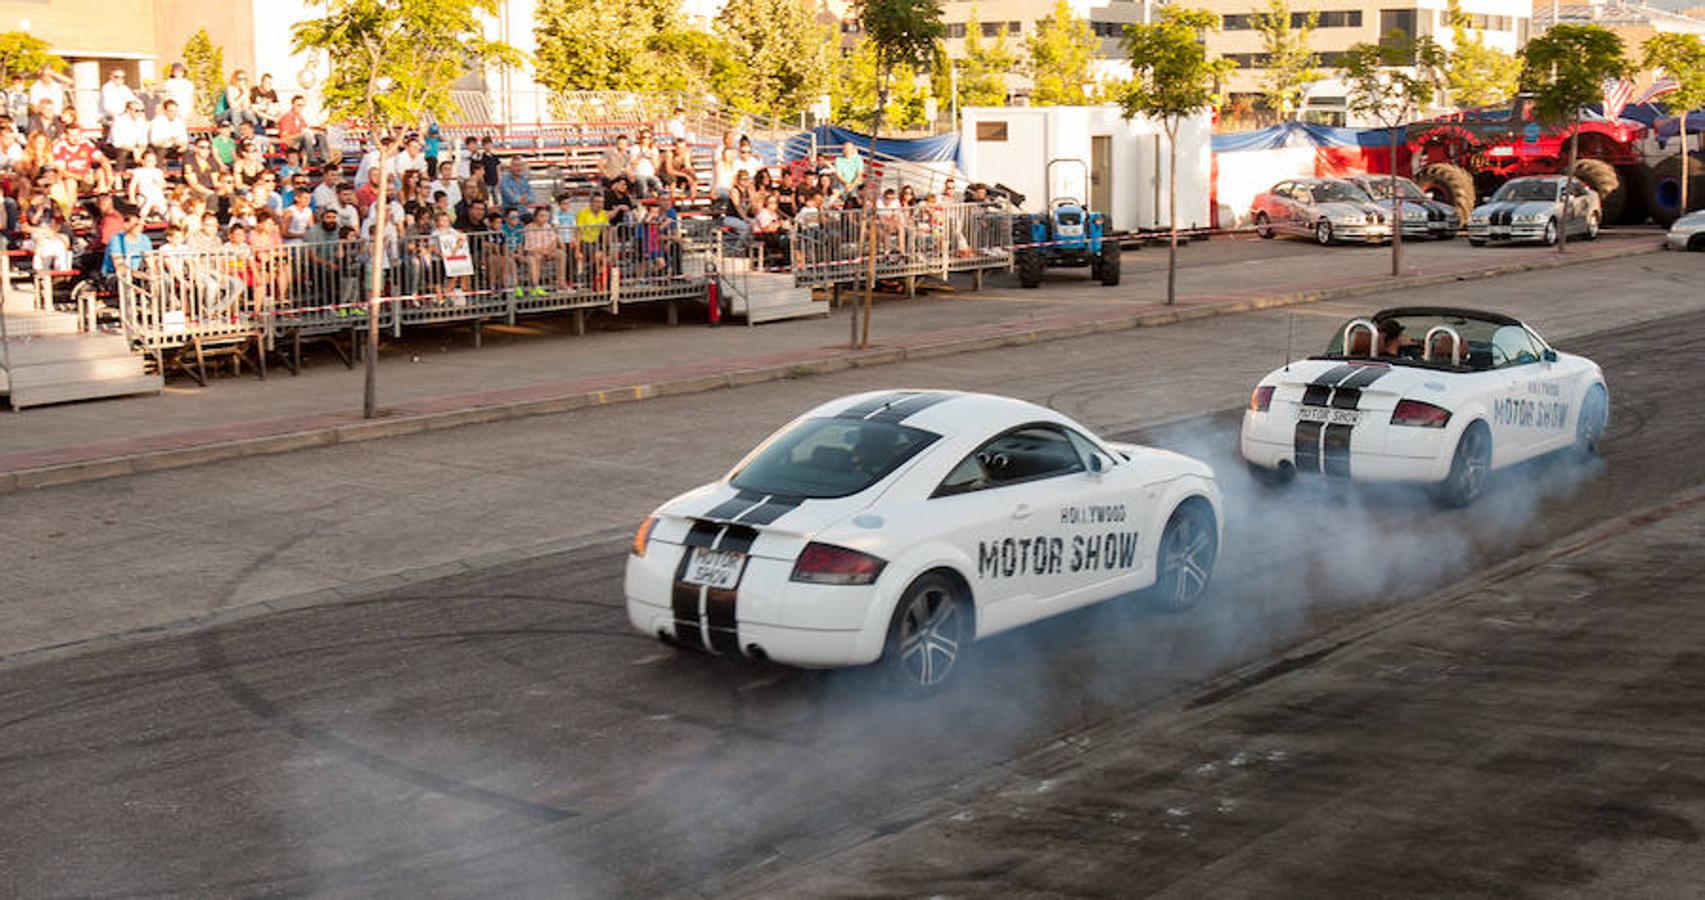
(757, 653)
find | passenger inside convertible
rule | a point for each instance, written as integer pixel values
(1404, 340)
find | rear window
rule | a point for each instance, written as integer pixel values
(830, 457)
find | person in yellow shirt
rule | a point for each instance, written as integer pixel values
(590, 255)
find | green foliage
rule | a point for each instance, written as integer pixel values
(1062, 56)
(1291, 65)
(1682, 57)
(702, 63)
(1565, 69)
(983, 68)
(1172, 74)
(902, 32)
(1391, 81)
(853, 90)
(23, 55)
(1476, 74)
(786, 50)
(605, 45)
(206, 64)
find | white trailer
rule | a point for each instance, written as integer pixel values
(1126, 160)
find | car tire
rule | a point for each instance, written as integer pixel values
(1551, 233)
(1602, 178)
(1029, 267)
(1448, 183)
(1696, 243)
(1264, 227)
(1272, 478)
(1323, 233)
(1185, 562)
(927, 635)
(1593, 419)
(1109, 263)
(1472, 242)
(1469, 467)
(1663, 189)
(1592, 226)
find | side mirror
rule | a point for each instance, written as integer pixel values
(1096, 466)
(1549, 355)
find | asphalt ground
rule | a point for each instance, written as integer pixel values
(502, 731)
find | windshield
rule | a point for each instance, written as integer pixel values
(830, 457)
(1337, 192)
(1381, 188)
(1527, 190)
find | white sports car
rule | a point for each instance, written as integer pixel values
(900, 525)
(1529, 209)
(1428, 395)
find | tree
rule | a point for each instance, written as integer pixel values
(785, 48)
(1062, 58)
(1290, 64)
(1565, 69)
(601, 45)
(983, 69)
(1476, 74)
(206, 64)
(853, 90)
(1681, 57)
(1390, 82)
(392, 63)
(701, 63)
(902, 33)
(22, 55)
(1172, 77)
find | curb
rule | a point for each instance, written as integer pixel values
(343, 428)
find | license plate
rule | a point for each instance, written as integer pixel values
(715, 568)
(1500, 232)
(1329, 415)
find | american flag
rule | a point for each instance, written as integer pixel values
(1617, 93)
(1664, 85)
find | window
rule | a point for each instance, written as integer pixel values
(991, 29)
(1513, 346)
(1237, 22)
(1015, 28)
(1108, 29)
(1392, 21)
(1333, 18)
(955, 29)
(830, 458)
(1248, 60)
(991, 131)
(1029, 453)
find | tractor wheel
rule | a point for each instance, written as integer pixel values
(1029, 265)
(1636, 188)
(1448, 183)
(1663, 196)
(1601, 177)
(1108, 264)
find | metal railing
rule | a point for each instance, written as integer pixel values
(833, 247)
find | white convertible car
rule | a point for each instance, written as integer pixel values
(901, 525)
(1427, 395)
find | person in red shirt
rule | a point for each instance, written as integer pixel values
(295, 133)
(367, 194)
(82, 162)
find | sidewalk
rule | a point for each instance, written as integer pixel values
(435, 379)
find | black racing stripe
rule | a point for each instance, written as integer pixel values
(739, 539)
(1346, 398)
(720, 613)
(773, 509)
(866, 407)
(1307, 446)
(900, 411)
(1336, 460)
(684, 602)
(734, 506)
(1364, 376)
(1316, 395)
(702, 534)
(1334, 375)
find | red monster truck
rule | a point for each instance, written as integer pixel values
(1460, 157)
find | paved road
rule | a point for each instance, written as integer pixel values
(503, 732)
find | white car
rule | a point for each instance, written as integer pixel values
(901, 525)
(1688, 232)
(1426, 395)
(1532, 209)
(1331, 210)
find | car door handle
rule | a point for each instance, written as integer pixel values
(1021, 511)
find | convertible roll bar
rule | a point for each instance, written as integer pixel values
(1373, 335)
(1455, 344)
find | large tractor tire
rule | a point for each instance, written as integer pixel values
(1448, 183)
(1636, 188)
(1029, 265)
(1601, 177)
(1107, 266)
(1663, 196)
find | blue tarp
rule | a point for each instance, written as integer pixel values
(942, 148)
(1300, 134)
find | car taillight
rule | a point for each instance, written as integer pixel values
(829, 564)
(1261, 399)
(1420, 415)
(642, 537)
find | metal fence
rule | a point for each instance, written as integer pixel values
(833, 247)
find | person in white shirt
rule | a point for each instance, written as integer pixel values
(445, 184)
(115, 95)
(325, 194)
(676, 126)
(411, 159)
(369, 160)
(168, 134)
(129, 135)
(178, 87)
(49, 85)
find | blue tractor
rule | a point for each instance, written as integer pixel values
(1066, 233)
